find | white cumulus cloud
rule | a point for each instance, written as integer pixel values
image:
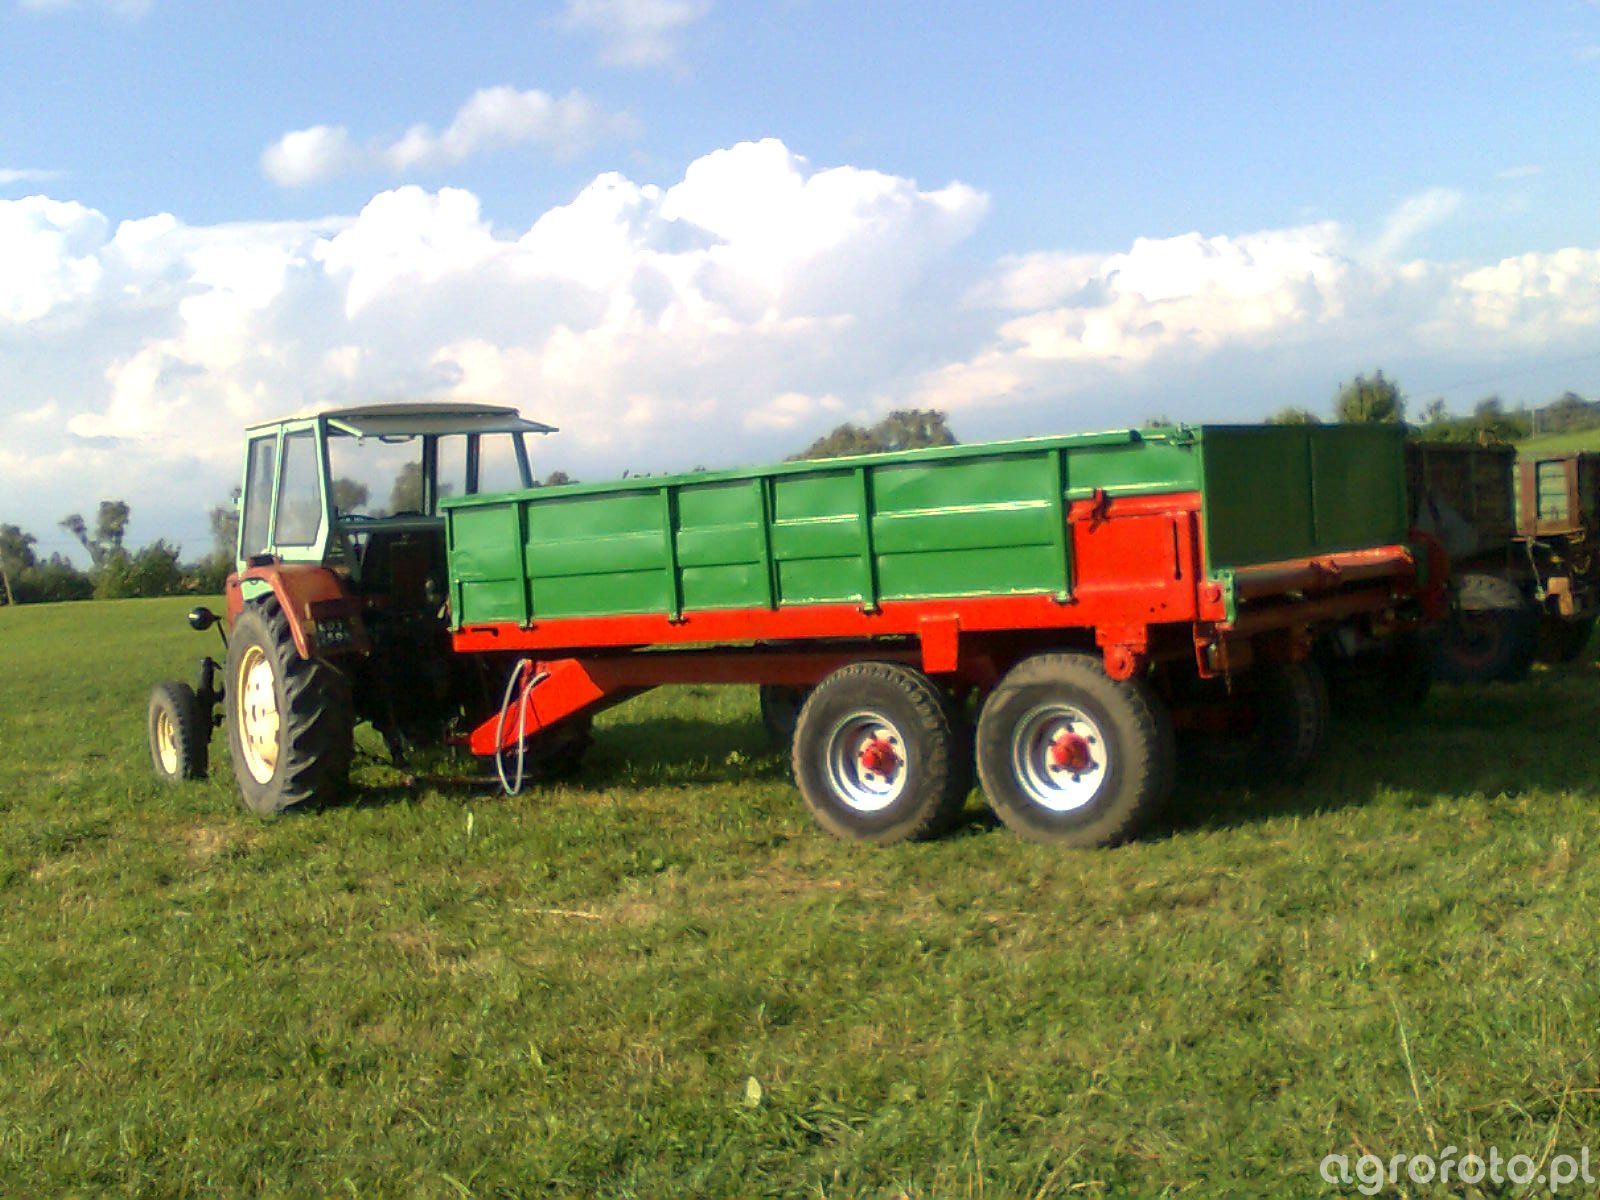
(492, 119)
(730, 315)
(11, 175)
(636, 33)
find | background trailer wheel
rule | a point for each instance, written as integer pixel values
(290, 721)
(1068, 755)
(1491, 637)
(180, 733)
(878, 754)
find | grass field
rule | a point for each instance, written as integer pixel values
(666, 982)
(1585, 439)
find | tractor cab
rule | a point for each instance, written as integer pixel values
(357, 490)
(341, 556)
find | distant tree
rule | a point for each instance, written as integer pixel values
(350, 495)
(16, 556)
(52, 580)
(903, 429)
(1434, 412)
(1567, 414)
(406, 495)
(1375, 401)
(110, 527)
(1159, 421)
(149, 571)
(1292, 415)
(556, 479)
(1492, 423)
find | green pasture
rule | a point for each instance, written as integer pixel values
(664, 981)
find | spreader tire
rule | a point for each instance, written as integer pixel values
(180, 733)
(1491, 637)
(290, 719)
(780, 711)
(1283, 710)
(876, 757)
(1069, 756)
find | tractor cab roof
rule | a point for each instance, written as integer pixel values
(419, 419)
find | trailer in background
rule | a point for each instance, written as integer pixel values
(1521, 537)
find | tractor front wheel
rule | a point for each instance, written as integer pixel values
(290, 719)
(180, 733)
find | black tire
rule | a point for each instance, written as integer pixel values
(1491, 636)
(1564, 639)
(307, 760)
(179, 731)
(915, 787)
(1119, 738)
(1284, 717)
(780, 711)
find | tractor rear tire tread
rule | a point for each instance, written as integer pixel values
(316, 717)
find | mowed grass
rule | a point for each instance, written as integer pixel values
(664, 981)
(1557, 443)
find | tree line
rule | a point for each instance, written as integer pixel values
(1379, 399)
(115, 571)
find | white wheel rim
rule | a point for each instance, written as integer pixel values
(866, 759)
(1059, 757)
(167, 742)
(256, 705)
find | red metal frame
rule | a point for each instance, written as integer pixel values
(1138, 566)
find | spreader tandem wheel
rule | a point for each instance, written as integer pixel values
(1068, 755)
(879, 755)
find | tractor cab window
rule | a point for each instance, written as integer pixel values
(499, 465)
(299, 515)
(254, 525)
(375, 477)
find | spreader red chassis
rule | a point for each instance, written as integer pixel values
(1143, 598)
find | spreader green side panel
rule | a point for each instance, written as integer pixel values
(982, 520)
(1276, 492)
(959, 521)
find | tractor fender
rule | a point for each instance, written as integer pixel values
(324, 614)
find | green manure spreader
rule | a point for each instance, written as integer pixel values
(1071, 620)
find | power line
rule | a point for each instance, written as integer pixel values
(1504, 375)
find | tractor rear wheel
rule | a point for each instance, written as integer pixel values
(180, 733)
(877, 755)
(1070, 756)
(290, 719)
(1491, 637)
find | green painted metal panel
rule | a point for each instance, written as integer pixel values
(1272, 493)
(958, 521)
(1550, 478)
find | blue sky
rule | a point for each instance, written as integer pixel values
(1039, 216)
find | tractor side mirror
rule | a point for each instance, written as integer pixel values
(201, 618)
